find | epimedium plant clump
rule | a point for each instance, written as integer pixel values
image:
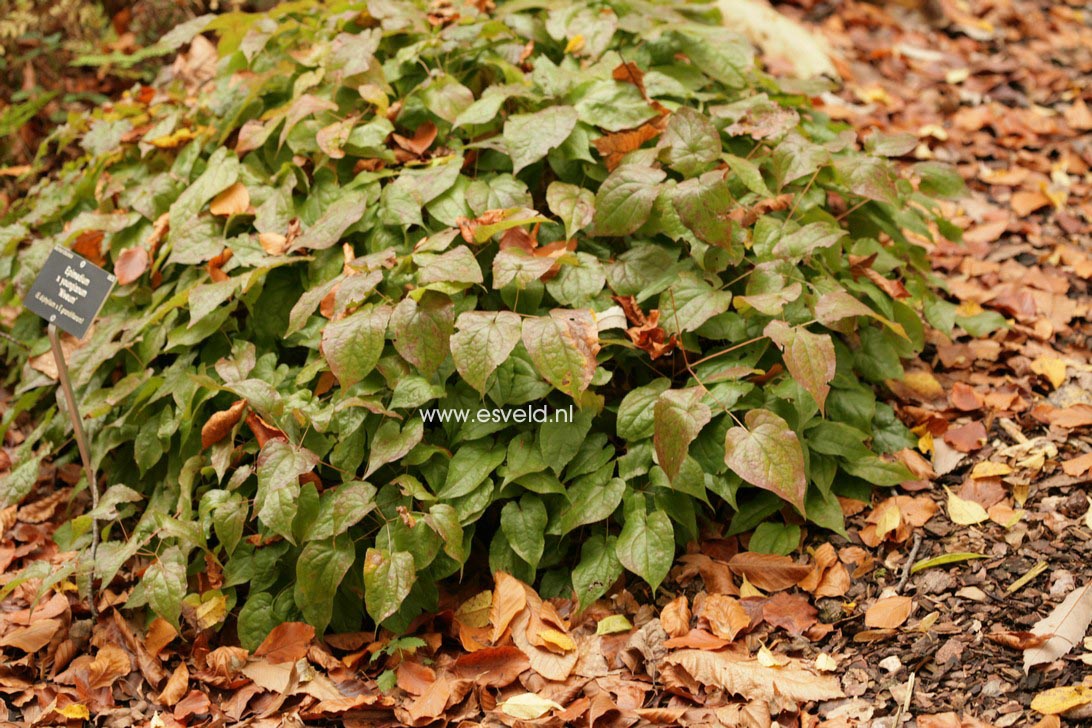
(364, 210)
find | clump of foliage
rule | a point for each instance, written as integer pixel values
(373, 209)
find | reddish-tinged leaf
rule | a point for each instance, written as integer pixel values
(964, 397)
(1078, 415)
(968, 438)
(678, 417)
(563, 347)
(809, 357)
(131, 265)
(220, 424)
(767, 453)
(768, 572)
(1078, 466)
(287, 642)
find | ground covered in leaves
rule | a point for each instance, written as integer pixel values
(958, 599)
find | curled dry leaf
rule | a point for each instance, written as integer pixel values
(221, 423)
(675, 617)
(725, 616)
(768, 572)
(287, 642)
(742, 675)
(509, 599)
(32, 637)
(1018, 640)
(176, 686)
(889, 613)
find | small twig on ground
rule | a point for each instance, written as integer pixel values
(909, 563)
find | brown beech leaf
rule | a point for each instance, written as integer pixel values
(697, 639)
(32, 637)
(110, 665)
(235, 200)
(616, 145)
(287, 642)
(889, 612)
(675, 617)
(220, 424)
(492, 667)
(768, 572)
(793, 612)
(509, 599)
(131, 265)
(216, 265)
(725, 616)
(747, 216)
(263, 431)
(176, 686)
(160, 634)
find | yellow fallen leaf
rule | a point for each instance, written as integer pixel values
(965, 512)
(558, 639)
(769, 659)
(575, 44)
(925, 443)
(924, 384)
(528, 706)
(613, 624)
(1051, 368)
(1059, 700)
(75, 711)
(926, 623)
(957, 75)
(172, 140)
(747, 589)
(969, 308)
(211, 612)
(474, 612)
(1088, 513)
(990, 470)
(825, 663)
(890, 518)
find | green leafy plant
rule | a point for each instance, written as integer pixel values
(370, 211)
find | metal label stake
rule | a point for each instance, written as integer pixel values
(69, 293)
